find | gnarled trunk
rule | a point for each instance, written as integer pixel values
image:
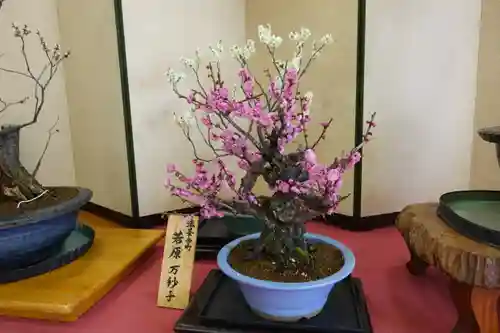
(283, 236)
(16, 183)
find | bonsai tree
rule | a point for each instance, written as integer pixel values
(17, 184)
(254, 124)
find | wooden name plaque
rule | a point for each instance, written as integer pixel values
(178, 262)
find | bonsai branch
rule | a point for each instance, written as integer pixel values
(5, 105)
(322, 135)
(53, 130)
(16, 183)
(41, 80)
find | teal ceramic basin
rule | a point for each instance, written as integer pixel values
(481, 212)
(475, 214)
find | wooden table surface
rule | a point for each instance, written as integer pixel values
(436, 243)
(473, 267)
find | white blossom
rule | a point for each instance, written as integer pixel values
(301, 36)
(294, 35)
(243, 53)
(235, 51)
(278, 82)
(326, 39)
(275, 42)
(305, 34)
(234, 91)
(174, 77)
(214, 51)
(189, 63)
(280, 64)
(317, 46)
(264, 33)
(186, 119)
(250, 45)
(309, 96)
(217, 50)
(220, 46)
(296, 61)
(266, 36)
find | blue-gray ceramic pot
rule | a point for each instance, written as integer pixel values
(284, 301)
(35, 235)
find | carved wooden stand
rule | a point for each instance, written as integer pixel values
(473, 268)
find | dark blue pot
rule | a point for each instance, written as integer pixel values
(35, 235)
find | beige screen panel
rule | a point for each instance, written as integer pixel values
(158, 33)
(332, 78)
(485, 173)
(420, 78)
(95, 101)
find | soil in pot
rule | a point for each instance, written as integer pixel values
(325, 261)
(54, 197)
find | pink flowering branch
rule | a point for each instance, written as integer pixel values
(276, 116)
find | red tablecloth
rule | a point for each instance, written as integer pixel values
(397, 301)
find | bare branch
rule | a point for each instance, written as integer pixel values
(11, 71)
(1, 3)
(52, 131)
(40, 93)
(40, 80)
(322, 135)
(5, 105)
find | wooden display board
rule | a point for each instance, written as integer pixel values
(178, 261)
(68, 292)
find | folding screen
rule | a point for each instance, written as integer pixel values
(417, 70)
(157, 33)
(421, 68)
(485, 173)
(95, 101)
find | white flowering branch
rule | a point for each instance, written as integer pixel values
(40, 80)
(17, 184)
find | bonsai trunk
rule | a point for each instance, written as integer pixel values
(16, 183)
(283, 236)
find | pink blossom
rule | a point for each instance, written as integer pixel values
(248, 88)
(244, 75)
(207, 122)
(310, 156)
(191, 98)
(210, 211)
(354, 159)
(283, 186)
(171, 168)
(243, 164)
(280, 113)
(333, 175)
